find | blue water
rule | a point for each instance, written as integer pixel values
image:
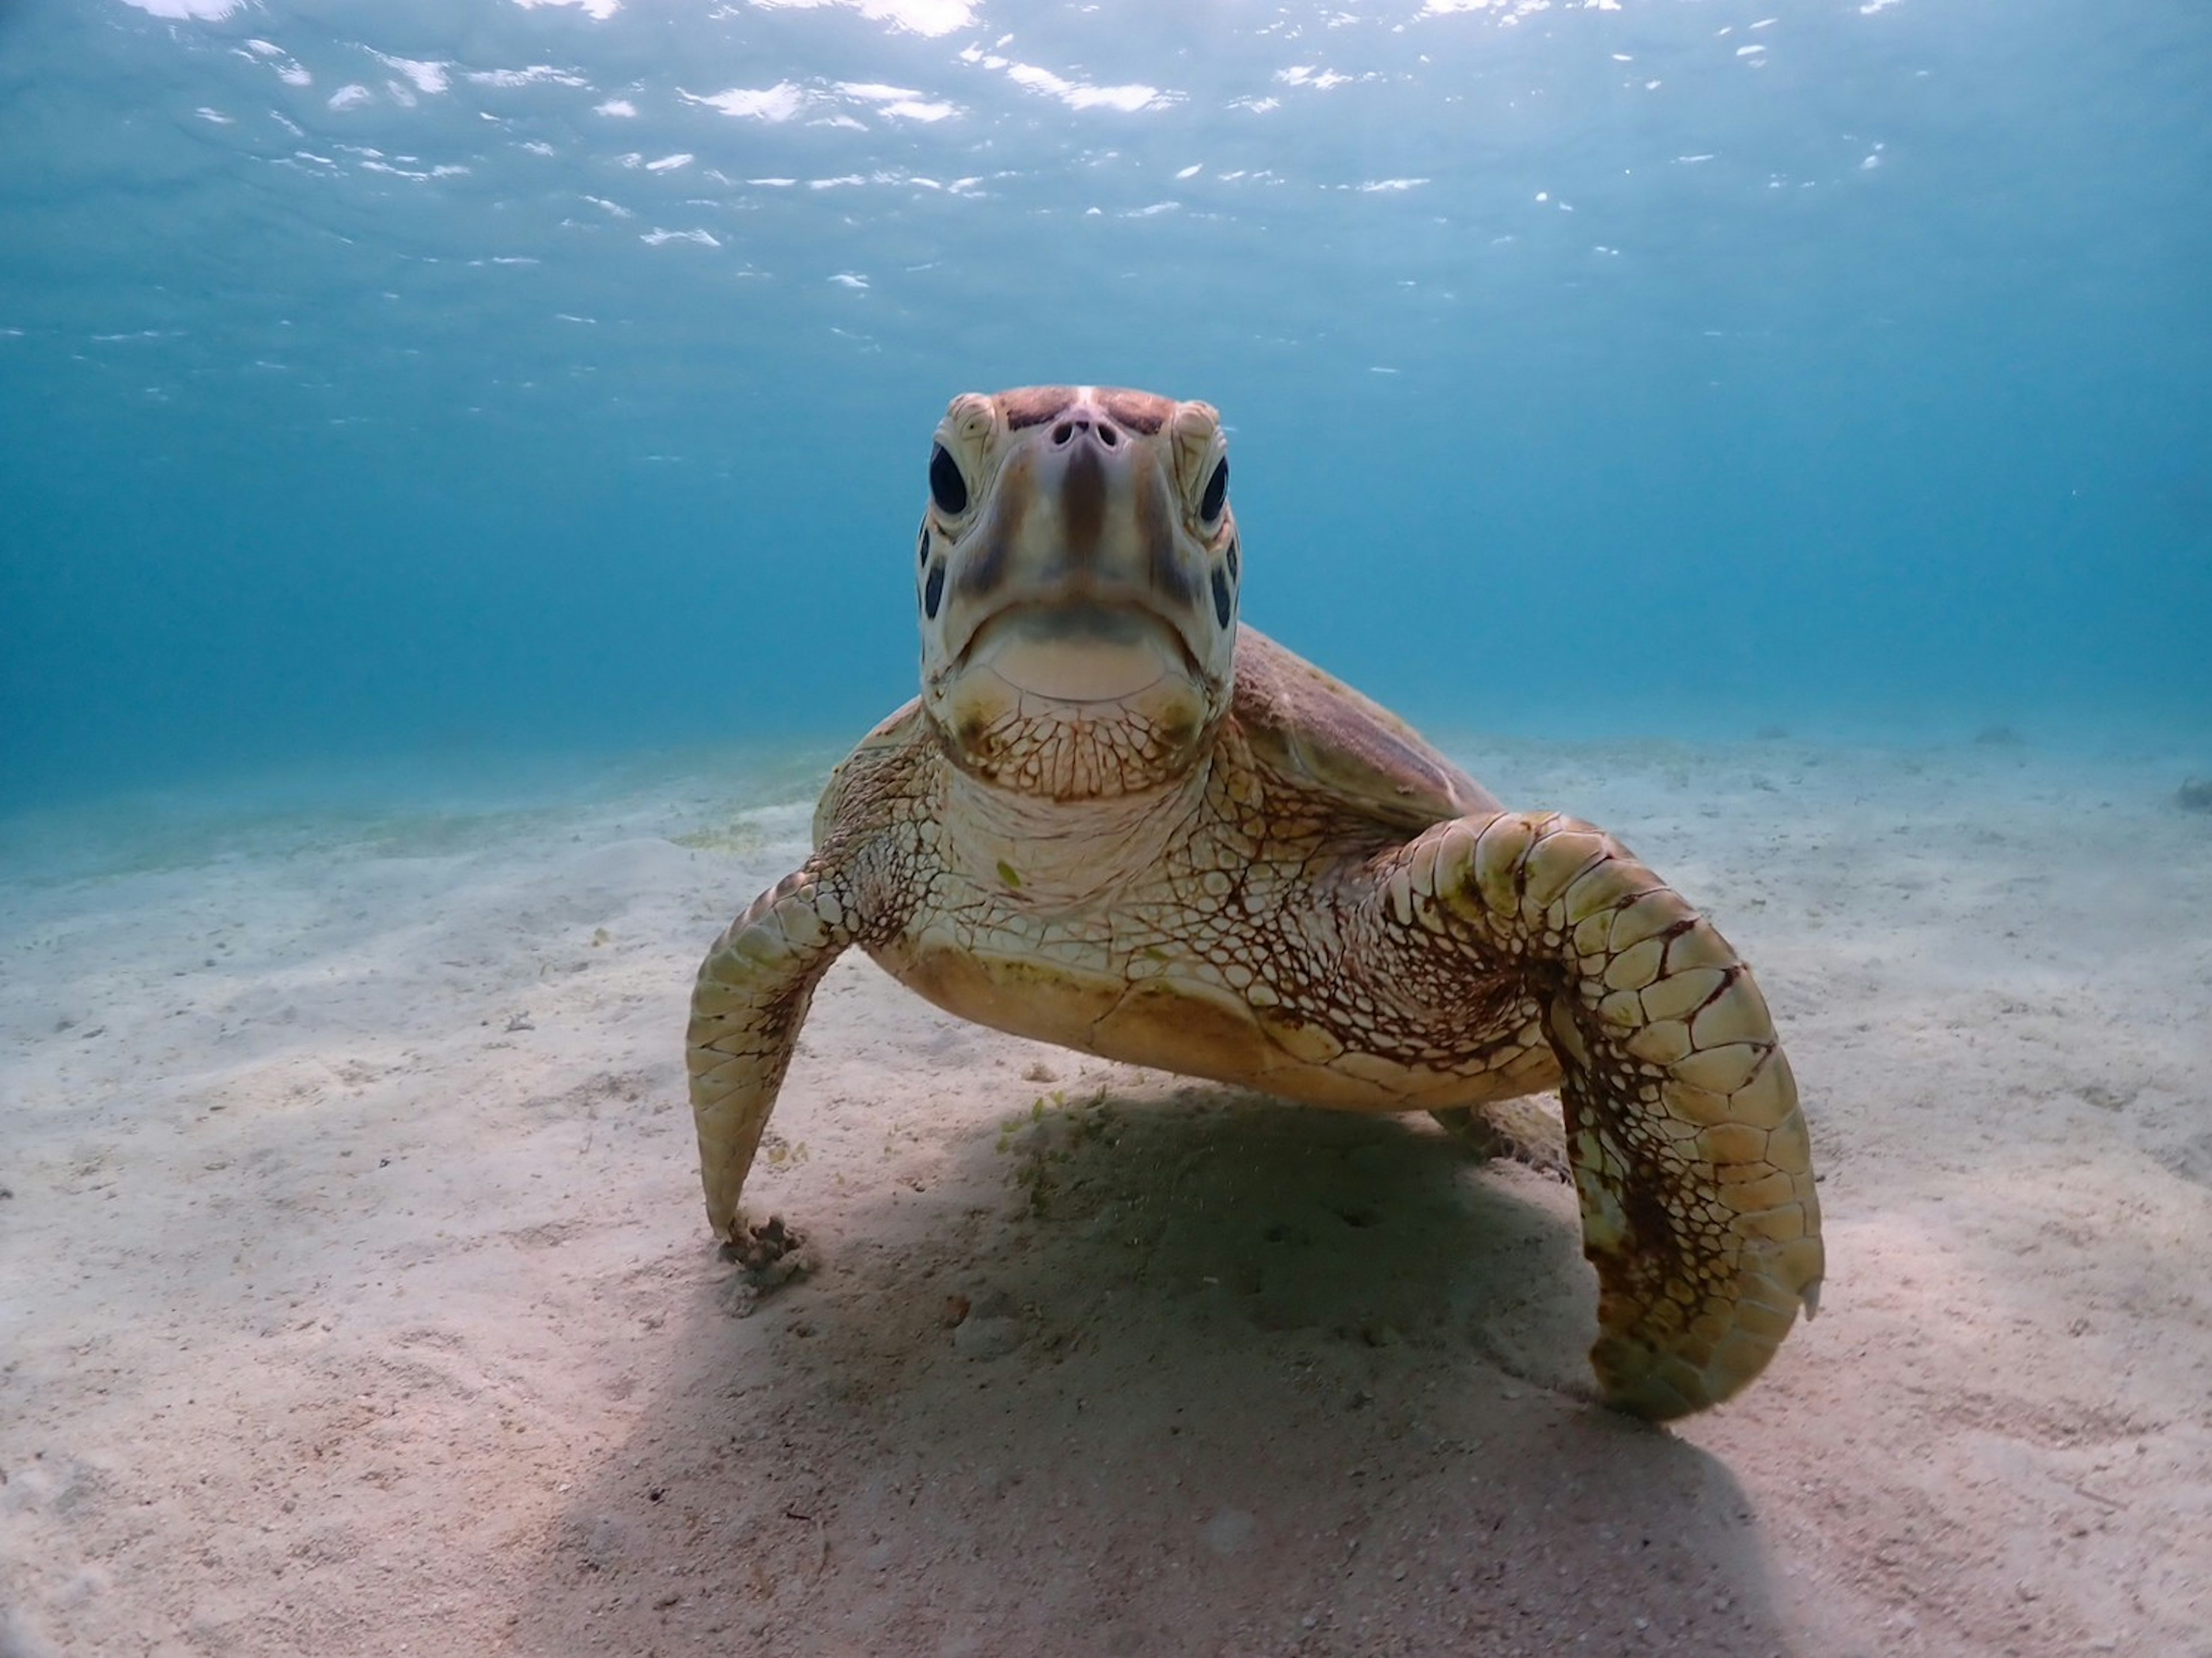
(470, 376)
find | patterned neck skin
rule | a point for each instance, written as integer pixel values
(1054, 855)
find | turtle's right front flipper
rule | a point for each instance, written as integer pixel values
(750, 999)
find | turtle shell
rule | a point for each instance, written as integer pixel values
(1312, 725)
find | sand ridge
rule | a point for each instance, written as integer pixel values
(354, 1295)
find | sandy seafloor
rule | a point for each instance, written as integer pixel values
(356, 1297)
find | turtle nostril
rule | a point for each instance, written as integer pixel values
(1064, 434)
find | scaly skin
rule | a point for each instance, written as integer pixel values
(1241, 916)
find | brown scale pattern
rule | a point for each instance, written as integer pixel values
(1071, 761)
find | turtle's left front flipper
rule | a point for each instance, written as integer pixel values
(1690, 1154)
(751, 997)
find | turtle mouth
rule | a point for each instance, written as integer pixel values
(1080, 653)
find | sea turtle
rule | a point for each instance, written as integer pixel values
(1117, 820)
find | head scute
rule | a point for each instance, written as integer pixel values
(972, 417)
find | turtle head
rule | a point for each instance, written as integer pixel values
(1076, 577)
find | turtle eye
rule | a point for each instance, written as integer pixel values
(1217, 492)
(947, 487)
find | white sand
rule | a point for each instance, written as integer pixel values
(354, 1295)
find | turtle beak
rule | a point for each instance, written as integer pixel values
(1081, 653)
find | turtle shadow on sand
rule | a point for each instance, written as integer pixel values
(1173, 1372)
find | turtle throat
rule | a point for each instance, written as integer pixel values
(1073, 851)
(1074, 702)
